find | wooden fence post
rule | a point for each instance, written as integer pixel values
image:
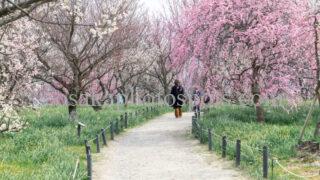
(210, 139)
(117, 131)
(238, 152)
(111, 130)
(265, 161)
(193, 130)
(272, 167)
(126, 120)
(224, 146)
(79, 130)
(89, 162)
(121, 122)
(197, 129)
(86, 145)
(103, 134)
(97, 143)
(201, 135)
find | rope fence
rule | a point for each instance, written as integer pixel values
(292, 173)
(265, 158)
(76, 169)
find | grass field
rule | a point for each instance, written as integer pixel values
(279, 133)
(49, 147)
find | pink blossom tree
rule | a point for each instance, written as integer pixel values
(306, 42)
(240, 44)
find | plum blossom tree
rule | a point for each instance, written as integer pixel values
(124, 77)
(74, 54)
(240, 44)
(12, 10)
(306, 36)
(129, 63)
(16, 69)
(160, 50)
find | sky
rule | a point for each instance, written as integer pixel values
(154, 6)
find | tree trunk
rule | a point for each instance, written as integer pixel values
(255, 90)
(166, 89)
(95, 104)
(72, 106)
(318, 97)
(134, 95)
(72, 112)
(316, 49)
(260, 114)
(317, 93)
(256, 101)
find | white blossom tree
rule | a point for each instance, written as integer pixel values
(17, 67)
(78, 48)
(12, 10)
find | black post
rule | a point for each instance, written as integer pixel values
(111, 130)
(196, 129)
(272, 167)
(224, 146)
(89, 162)
(201, 134)
(265, 161)
(238, 152)
(79, 130)
(212, 139)
(193, 130)
(209, 139)
(117, 131)
(126, 120)
(86, 145)
(103, 134)
(97, 143)
(121, 122)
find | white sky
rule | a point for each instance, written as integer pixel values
(154, 6)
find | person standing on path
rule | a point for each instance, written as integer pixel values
(177, 92)
(196, 98)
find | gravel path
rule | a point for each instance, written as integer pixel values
(161, 149)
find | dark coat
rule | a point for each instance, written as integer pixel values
(178, 93)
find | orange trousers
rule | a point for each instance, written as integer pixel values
(178, 112)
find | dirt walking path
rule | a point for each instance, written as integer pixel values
(161, 149)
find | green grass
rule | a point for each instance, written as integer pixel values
(279, 133)
(49, 147)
